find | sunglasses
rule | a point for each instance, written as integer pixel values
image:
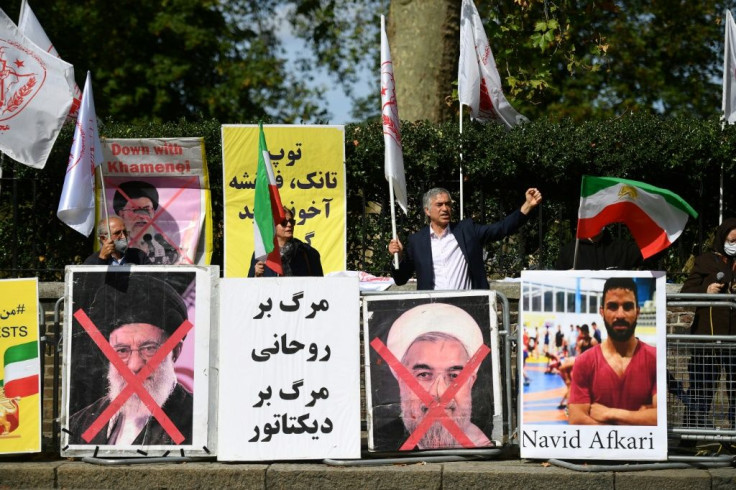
(285, 222)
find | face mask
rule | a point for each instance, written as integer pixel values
(729, 248)
(121, 245)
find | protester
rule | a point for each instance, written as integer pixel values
(448, 255)
(615, 382)
(712, 273)
(601, 252)
(434, 342)
(297, 257)
(137, 313)
(114, 249)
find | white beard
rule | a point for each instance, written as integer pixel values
(437, 437)
(159, 385)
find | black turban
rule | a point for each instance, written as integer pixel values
(136, 298)
(134, 189)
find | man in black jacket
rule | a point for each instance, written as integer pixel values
(448, 255)
(114, 248)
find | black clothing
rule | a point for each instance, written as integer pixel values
(178, 407)
(707, 361)
(132, 256)
(605, 254)
(301, 260)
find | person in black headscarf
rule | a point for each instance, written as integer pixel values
(297, 257)
(714, 272)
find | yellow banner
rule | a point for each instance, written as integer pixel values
(309, 166)
(20, 367)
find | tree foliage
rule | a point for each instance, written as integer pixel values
(683, 154)
(167, 59)
(601, 58)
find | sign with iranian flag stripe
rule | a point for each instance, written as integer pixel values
(656, 217)
(20, 399)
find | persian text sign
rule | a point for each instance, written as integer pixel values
(20, 399)
(289, 371)
(160, 188)
(308, 163)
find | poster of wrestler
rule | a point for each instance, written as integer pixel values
(432, 371)
(160, 189)
(137, 378)
(592, 358)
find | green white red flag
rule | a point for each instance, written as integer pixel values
(655, 217)
(267, 210)
(21, 368)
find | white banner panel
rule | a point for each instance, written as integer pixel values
(289, 369)
(599, 392)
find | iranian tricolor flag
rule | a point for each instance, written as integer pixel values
(267, 210)
(21, 370)
(655, 217)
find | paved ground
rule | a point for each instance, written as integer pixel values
(17, 473)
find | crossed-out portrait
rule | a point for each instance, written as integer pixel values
(432, 371)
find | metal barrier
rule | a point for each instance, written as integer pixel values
(701, 390)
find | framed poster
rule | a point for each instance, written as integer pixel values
(137, 377)
(432, 371)
(20, 383)
(289, 369)
(593, 394)
(160, 188)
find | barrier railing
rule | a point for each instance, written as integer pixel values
(701, 382)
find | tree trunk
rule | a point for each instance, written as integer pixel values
(424, 36)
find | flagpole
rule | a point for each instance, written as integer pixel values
(104, 199)
(575, 256)
(393, 218)
(462, 195)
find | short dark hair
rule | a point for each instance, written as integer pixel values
(134, 189)
(621, 283)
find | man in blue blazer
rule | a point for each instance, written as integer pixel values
(448, 255)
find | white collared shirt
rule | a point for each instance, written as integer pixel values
(450, 266)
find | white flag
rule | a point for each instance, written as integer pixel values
(729, 71)
(479, 84)
(29, 25)
(35, 96)
(393, 156)
(77, 203)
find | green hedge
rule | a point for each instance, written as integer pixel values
(684, 155)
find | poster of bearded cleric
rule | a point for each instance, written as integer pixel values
(592, 354)
(137, 379)
(160, 189)
(432, 371)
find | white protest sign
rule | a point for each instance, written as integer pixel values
(289, 369)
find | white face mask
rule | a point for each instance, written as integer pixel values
(121, 245)
(729, 248)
